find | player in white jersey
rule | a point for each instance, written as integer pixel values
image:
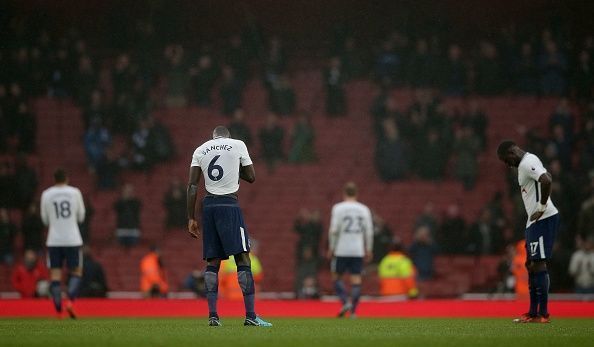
(223, 162)
(541, 227)
(62, 209)
(350, 241)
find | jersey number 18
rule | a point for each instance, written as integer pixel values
(62, 209)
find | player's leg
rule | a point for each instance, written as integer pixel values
(213, 253)
(248, 288)
(54, 255)
(74, 263)
(547, 231)
(337, 269)
(356, 279)
(211, 283)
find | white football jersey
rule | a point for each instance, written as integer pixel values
(529, 171)
(351, 229)
(62, 208)
(220, 160)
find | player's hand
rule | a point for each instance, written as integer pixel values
(368, 257)
(536, 216)
(193, 228)
(329, 255)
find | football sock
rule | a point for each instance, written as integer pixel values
(246, 282)
(56, 292)
(340, 291)
(533, 297)
(542, 281)
(73, 287)
(355, 295)
(211, 283)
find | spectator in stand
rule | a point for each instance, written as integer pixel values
(582, 85)
(428, 218)
(306, 278)
(385, 106)
(430, 160)
(60, 83)
(489, 74)
(553, 67)
(195, 282)
(485, 236)
(142, 155)
(96, 141)
(302, 140)
(382, 238)
(525, 71)
(334, 79)
(281, 97)
(275, 61)
(127, 209)
(159, 141)
(466, 148)
(93, 283)
(108, 170)
(176, 76)
(354, 59)
(7, 234)
(95, 110)
(475, 117)
(309, 227)
(30, 278)
(391, 153)
(388, 64)
(454, 74)
(175, 205)
(396, 273)
(271, 142)
(203, 78)
(239, 129)
(421, 68)
(25, 182)
(7, 191)
(123, 76)
(230, 90)
(559, 146)
(153, 277)
(85, 226)
(237, 58)
(25, 128)
(563, 117)
(452, 235)
(32, 228)
(585, 223)
(581, 266)
(422, 251)
(85, 79)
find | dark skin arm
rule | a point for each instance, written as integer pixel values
(247, 173)
(546, 181)
(194, 179)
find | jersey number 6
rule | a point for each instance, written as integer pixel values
(212, 166)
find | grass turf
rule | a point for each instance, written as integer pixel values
(294, 332)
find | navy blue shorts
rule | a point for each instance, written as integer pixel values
(352, 265)
(224, 231)
(57, 256)
(540, 237)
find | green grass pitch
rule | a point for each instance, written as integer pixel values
(129, 332)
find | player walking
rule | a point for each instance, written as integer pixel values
(62, 209)
(223, 161)
(350, 240)
(541, 227)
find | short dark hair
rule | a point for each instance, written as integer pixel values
(60, 175)
(504, 147)
(220, 131)
(350, 189)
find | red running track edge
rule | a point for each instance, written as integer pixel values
(286, 308)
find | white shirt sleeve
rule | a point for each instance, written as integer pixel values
(196, 157)
(369, 232)
(334, 228)
(80, 211)
(245, 156)
(43, 211)
(534, 167)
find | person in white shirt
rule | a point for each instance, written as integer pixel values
(581, 266)
(62, 209)
(223, 162)
(350, 242)
(541, 227)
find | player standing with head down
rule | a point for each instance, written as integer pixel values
(223, 162)
(62, 209)
(541, 227)
(350, 240)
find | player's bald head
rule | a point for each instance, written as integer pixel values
(504, 147)
(220, 131)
